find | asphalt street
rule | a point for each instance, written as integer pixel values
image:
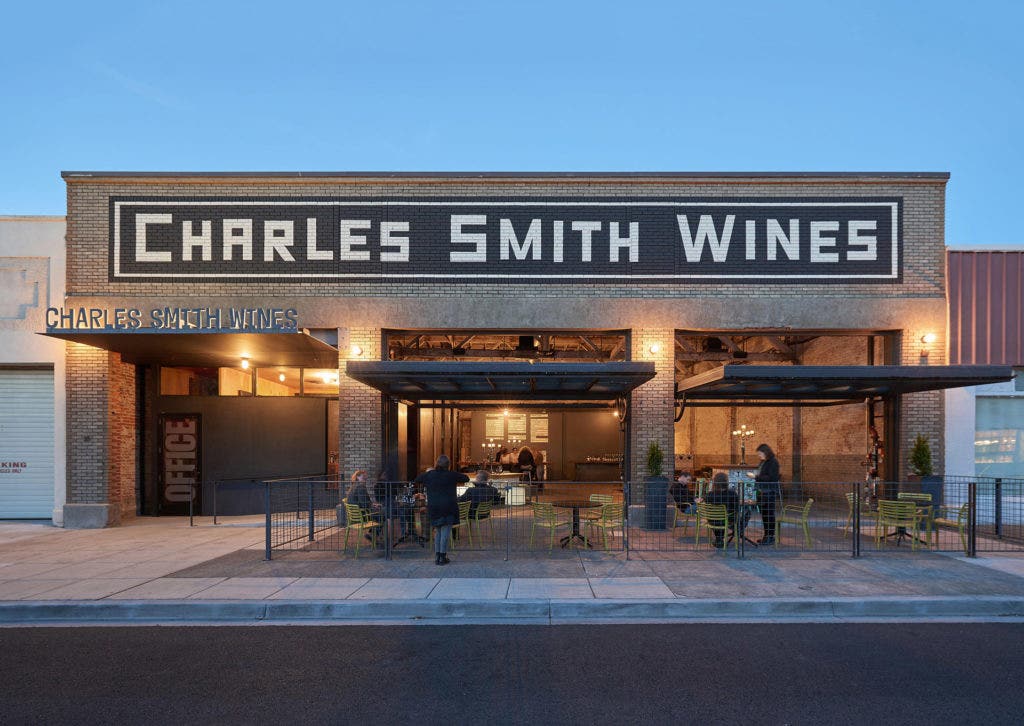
(746, 674)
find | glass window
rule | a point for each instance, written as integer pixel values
(999, 436)
(235, 381)
(320, 381)
(182, 381)
(278, 381)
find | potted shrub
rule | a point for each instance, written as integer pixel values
(922, 469)
(655, 489)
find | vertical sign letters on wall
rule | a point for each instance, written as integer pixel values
(180, 462)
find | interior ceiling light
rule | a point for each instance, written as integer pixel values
(245, 364)
(280, 377)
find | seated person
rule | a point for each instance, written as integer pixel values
(720, 493)
(479, 493)
(358, 494)
(682, 493)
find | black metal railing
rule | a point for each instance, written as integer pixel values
(951, 515)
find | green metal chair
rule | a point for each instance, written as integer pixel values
(544, 516)
(794, 514)
(601, 499)
(850, 497)
(481, 515)
(924, 508)
(953, 517)
(611, 518)
(359, 521)
(716, 518)
(901, 514)
(464, 522)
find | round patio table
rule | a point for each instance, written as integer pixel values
(575, 505)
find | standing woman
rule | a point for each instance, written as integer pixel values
(767, 479)
(442, 503)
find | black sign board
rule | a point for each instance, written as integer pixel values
(180, 462)
(751, 240)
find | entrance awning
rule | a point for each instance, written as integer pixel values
(793, 385)
(209, 349)
(484, 381)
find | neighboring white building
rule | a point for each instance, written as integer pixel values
(985, 430)
(985, 424)
(32, 391)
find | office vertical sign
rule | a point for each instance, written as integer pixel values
(180, 462)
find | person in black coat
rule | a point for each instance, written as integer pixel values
(768, 478)
(442, 503)
(720, 493)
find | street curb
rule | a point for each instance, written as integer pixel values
(529, 611)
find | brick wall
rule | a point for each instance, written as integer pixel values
(101, 441)
(360, 416)
(121, 437)
(653, 404)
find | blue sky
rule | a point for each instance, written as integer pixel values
(547, 86)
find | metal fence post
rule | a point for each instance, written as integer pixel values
(191, 502)
(215, 500)
(311, 523)
(266, 503)
(972, 519)
(855, 534)
(389, 506)
(627, 499)
(999, 508)
(741, 548)
(508, 520)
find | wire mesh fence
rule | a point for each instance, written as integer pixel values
(516, 515)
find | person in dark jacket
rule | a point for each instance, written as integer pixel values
(682, 492)
(479, 493)
(527, 462)
(358, 494)
(442, 503)
(720, 493)
(769, 488)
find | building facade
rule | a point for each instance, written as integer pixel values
(188, 296)
(985, 424)
(32, 406)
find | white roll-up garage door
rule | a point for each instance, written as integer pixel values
(26, 444)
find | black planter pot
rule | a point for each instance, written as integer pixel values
(932, 485)
(656, 502)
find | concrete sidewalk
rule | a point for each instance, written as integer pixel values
(162, 570)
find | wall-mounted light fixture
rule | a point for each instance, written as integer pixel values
(926, 341)
(655, 348)
(356, 351)
(280, 377)
(245, 364)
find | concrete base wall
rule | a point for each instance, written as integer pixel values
(90, 516)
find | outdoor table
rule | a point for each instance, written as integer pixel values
(575, 505)
(924, 512)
